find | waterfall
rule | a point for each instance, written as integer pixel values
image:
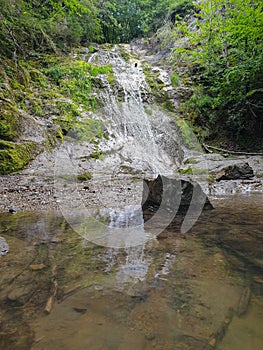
(140, 128)
(143, 141)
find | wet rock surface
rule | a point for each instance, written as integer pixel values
(173, 193)
(225, 176)
(235, 172)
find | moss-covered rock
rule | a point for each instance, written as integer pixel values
(187, 134)
(158, 88)
(9, 120)
(44, 99)
(14, 156)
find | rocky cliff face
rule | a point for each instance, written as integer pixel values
(40, 101)
(110, 111)
(24, 128)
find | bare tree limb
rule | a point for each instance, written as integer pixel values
(210, 149)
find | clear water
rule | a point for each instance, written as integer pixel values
(202, 290)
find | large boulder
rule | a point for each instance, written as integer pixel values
(173, 193)
(234, 172)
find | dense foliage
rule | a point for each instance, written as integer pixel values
(225, 52)
(27, 27)
(124, 20)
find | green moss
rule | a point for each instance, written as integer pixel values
(84, 177)
(97, 155)
(148, 111)
(157, 89)
(35, 107)
(67, 108)
(96, 70)
(107, 46)
(47, 85)
(16, 85)
(16, 74)
(175, 80)
(135, 179)
(6, 93)
(87, 130)
(91, 49)
(74, 79)
(9, 121)
(53, 137)
(125, 55)
(14, 156)
(111, 79)
(37, 77)
(188, 135)
(188, 171)
(23, 74)
(67, 112)
(168, 104)
(59, 134)
(50, 94)
(193, 171)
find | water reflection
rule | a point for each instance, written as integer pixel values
(136, 264)
(181, 292)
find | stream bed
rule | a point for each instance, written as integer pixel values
(194, 291)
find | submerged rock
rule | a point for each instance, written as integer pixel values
(171, 193)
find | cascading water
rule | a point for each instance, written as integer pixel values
(139, 129)
(143, 142)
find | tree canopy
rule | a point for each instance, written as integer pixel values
(30, 26)
(225, 47)
(124, 20)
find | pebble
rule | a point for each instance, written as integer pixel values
(212, 342)
(4, 247)
(13, 211)
(18, 295)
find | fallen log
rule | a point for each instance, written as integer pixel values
(210, 149)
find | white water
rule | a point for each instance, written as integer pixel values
(143, 141)
(139, 129)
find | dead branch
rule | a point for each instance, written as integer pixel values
(52, 298)
(210, 149)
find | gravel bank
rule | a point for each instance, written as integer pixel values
(21, 192)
